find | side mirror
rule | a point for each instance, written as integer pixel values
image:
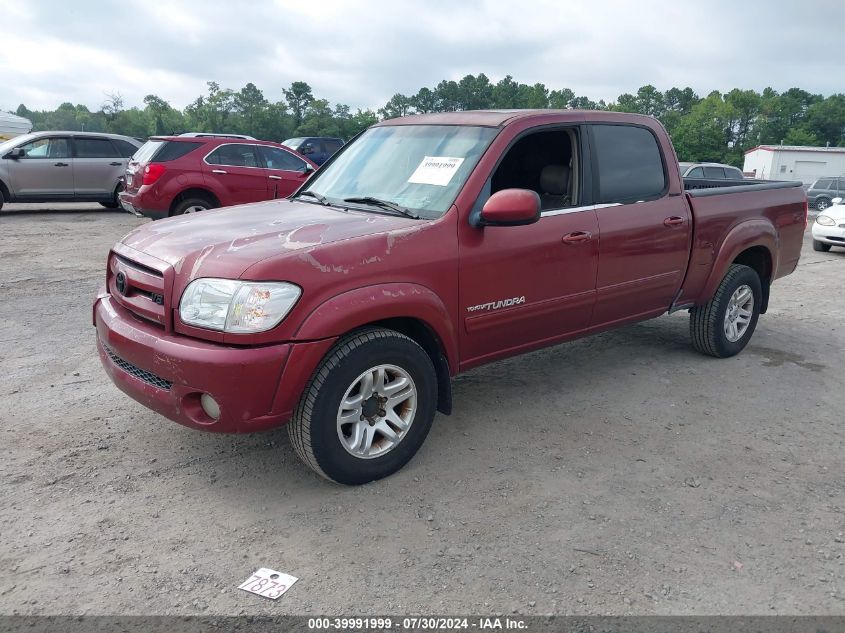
(307, 169)
(511, 207)
(15, 153)
(837, 201)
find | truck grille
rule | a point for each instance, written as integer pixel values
(141, 374)
(139, 288)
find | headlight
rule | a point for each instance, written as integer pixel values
(825, 221)
(237, 306)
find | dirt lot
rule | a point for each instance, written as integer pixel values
(619, 474)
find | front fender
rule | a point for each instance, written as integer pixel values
(355, 308)
(743, 236)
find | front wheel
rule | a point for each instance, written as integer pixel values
(724, 325)
(822, 203)
(820, 246)
(367, 409)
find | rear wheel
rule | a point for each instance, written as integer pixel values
(368, 407)
(192, 205)
(114, 203)
(724, 325)
(822, 203)
(820, 246)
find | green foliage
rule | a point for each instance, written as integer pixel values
(718, 127)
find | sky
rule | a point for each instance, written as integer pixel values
(362, 52)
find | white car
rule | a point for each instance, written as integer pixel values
(829, 227)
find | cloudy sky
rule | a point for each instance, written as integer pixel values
(362, 52)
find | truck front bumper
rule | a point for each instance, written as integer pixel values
(170, 373)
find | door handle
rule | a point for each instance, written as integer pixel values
(219, 171)
(115, 164)
(576, 237)
(673, 221)
(274, 177)
(60, 165)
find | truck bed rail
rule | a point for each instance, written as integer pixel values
(700, 187)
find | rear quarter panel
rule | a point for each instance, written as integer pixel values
(727, 224)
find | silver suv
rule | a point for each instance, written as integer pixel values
(64, 167)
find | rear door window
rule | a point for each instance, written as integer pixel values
(125, 148)
(275, 158)
(234, 155)
(95, 148)
(332, 145)
(714, 172)
(629, 166)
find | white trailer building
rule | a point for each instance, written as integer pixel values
(794, 162)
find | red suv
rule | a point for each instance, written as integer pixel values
(172, 175)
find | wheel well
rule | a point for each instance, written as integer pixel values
(205, 194)
(420, 332)
(759, 259)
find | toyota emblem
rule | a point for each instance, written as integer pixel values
(120, 282)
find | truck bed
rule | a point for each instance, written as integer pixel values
(744, 210)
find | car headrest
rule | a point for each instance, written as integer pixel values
(554, 179)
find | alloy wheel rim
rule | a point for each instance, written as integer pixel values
(739, 312)
(821, 205)
(194, 209)
(377, 411)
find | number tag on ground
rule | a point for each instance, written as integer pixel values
(268, 583)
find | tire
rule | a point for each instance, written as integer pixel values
(316, 428)
(820, 246)
(822, 203)
(114, 203)
(2, 199)
(708, 323)
(192, 205)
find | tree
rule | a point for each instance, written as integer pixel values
(113, 105)
(249, 102)
(424, 101)
(163, 119)
(506, 93)
(399, 105)
(561, 99)
(298, 97)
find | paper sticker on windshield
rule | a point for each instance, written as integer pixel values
(436, 170)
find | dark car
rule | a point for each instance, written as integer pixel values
(172, 175)
(824, 190)
(318, 149)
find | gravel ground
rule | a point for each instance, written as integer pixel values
(621, 474)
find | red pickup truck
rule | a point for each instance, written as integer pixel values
(429, 245)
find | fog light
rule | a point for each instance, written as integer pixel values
(210, 406)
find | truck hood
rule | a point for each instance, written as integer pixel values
(225, 242)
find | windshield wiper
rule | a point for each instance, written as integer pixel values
(317, 196)
(384, 204)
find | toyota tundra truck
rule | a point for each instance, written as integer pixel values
(427, 246)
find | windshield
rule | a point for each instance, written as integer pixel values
(419, 167)
(4, 147)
